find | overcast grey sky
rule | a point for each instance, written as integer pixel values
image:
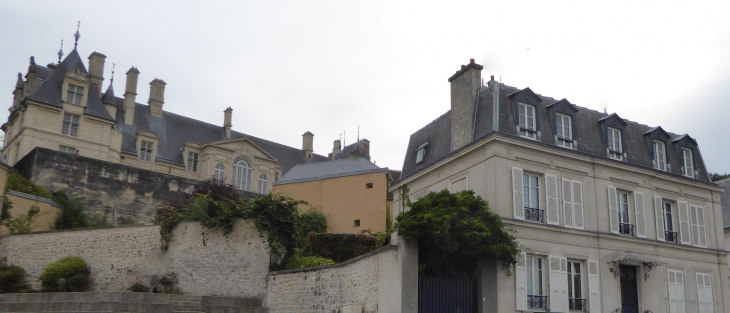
(287, 67)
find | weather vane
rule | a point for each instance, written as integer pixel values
(77, 35)
(112, 79)
(60, 52)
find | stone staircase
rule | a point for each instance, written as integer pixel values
(124, 302)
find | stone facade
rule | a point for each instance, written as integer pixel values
(118, 257)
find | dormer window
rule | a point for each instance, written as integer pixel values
(421, 153)
(687, 163)
(564, 130)
(614, 144)
(192, 161)
(660, 157)
(527, 125)
(146, 151)
(75, 94)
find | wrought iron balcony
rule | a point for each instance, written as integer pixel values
(670, 236)
(577, 305)
(626, 229)
(535, 215)
(537, 302)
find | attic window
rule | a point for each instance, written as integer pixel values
(614, 144)
(75, 94)
(421, 152)
(687, 163)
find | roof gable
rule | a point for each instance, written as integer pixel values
(525, 95)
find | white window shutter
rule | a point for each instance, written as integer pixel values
(710, 305)
(702, 230)
(684, 233)
(594, 292)
(671, 290)
(695, 226)
(521, 283)
(578, 204)
(551, 192)
(679, 292)
(564, 283)
(517, 198)
(640, 215)
(704, 293)
(567, 203)
(659, 218)
(612, 209)
(556, 284)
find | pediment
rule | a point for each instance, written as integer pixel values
(563, 106)
(658, 133)
(613, 120)
(239, 144)
(525, 95)
(685, 141)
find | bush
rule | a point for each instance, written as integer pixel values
(168, 285)
(138, 287)
(310, 220)
(341, 247)
(298, 261)
(72, 214)
(69, 274)
(18, 183)
(11, 279)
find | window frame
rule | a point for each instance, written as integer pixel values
(70, 125)
(75, 94)
(263, 184)
(530, 191)
(581, 279)
(562, 140)
(688, 155)
(527, 131)
(532, 273)
(146, 150)
(420, 154)
(242, 175)
(219, 172)
(660, 164)
(615, 144)
(193, 161)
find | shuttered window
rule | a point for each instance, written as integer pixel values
(558, 277)
(660, 158)
(594, 292)
(527, 121)
(704, 293)
(640, 215)
(517, 200)
(697, 220)
(551, 203)
(572, 204)
(675, 281)
(685, 236)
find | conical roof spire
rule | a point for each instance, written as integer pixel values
(108, 97)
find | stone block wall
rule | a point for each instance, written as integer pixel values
(364, 280)
(118, 257)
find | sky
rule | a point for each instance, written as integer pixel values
(287, 67)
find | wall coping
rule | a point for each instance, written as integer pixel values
(341, 264)
(78, 229)
(32, 197)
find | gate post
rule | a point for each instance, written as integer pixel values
(487, 291)
(409, 275)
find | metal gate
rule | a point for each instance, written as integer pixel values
(444, 295)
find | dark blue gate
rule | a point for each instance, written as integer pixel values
(443, 295)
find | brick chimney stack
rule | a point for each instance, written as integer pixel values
(465, 85)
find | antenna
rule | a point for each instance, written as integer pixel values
(344, 137)
(60, 52)
(112, 79)
(358, 133)
(77, 35)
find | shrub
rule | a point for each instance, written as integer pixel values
(297, 261)
(72, 214)
(168, 285)
(310, 220)
(138, 287)
(18, 183)
(341, 247)
(67, 274)
(11, 278)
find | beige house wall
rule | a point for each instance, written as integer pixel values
(21, 206)
(488, 164)
(344, 200)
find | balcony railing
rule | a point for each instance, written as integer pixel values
(577, 305)
(626, 229)
(535, 215)
(537, 302)
(670, 236)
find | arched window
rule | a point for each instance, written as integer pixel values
(220, 173)
(262, 184)
(242, 173)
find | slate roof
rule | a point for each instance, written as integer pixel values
(329, 169)
(357, 147)
(50, 92)
(725, 201)
(589, 134)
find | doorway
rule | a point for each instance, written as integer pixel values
(629, 290)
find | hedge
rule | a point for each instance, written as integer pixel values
(341, 247)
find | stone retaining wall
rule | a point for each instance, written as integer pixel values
(118, 257)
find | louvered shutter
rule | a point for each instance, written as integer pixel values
(694, 225)
(640, 215)
(612, 209)
(594, 293)
(679, 292)
(517, 200)
(659, 219)
(521, 283)
(551, 192)
(567, 203)
(578, 204)
(564, 283)
(709, 304)
(684, 233)
(701, 229)
(704, 293)
(671, 283)
(556, 284)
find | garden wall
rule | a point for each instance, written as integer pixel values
(118, 257)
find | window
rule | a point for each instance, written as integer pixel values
(535, 298)
(624, 221)
(369, 186)
(75, 94)
(704, 293)
(675, 281)
(527, 121)
(687, 165)
(421, 153)
(67, 149)
(531, 195)
(572, 204)
(697, 222)
(242, 170)
(564, 133)
(146, 151)
(660, 158)
(576, 302)
(263, 180)
(356, 224)
(70, 125)
(670, 235)
(614, 144)
(192, 161)
(276, 176)
(220, 172)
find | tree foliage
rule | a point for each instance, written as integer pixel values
(717, 176)
(11, 278)
(455, 230)
(72, 214)
(23, 223)
(18, 183)
(69, 274)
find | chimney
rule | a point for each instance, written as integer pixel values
(157, 97)
(353, 154)
(336, 149)
(308, 143)
(96, 70)
(365, 144)
(130, 95)
(465, 85)
(227, 114)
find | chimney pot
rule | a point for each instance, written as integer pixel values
(492, 78)
(463, 66)
(471, 61)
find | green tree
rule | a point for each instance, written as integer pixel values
(72, 214)
(18, 183)
(455, 230)
(69, 274)
(22, 223)
(718, 176)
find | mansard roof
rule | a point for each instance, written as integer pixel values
(590, 140)
(329, 169)
(176, 130)
(50, 92)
